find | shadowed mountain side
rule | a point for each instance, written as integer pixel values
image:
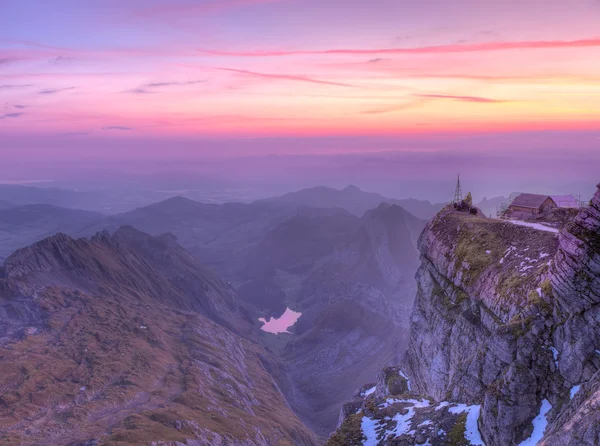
(6, 204)
(293, 248)
(218, 235)
(355, 293)
(100, 342)
(354, 200)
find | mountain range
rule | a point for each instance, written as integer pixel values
(179, 264)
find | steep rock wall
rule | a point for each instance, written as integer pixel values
(507, 316)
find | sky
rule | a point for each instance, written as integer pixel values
(163, 78)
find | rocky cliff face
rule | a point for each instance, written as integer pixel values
(125, 340)
(505, 326)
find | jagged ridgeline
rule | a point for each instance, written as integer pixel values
(125, 339)
(505, 340)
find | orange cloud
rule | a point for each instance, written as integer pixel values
(477, 99)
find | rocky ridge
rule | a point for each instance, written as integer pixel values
(505, 325)
(124, 339)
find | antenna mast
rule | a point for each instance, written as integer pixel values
(458, 196)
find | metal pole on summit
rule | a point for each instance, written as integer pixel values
(458, 196)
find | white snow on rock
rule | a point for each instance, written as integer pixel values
(472, 433)
(369, 391)
(403, 375)
(372, 428)
(370, 431)
(574, 390)
(442, 405)
(539, 425)
(416, 403)
(537, 226)
(488, 252)
(425, 423)
(507, 253)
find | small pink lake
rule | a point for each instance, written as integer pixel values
(280, 324)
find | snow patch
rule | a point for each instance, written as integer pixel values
(539, 425)
(369, 391)
(372, 428)
(416, 403)
(507, 253)
(442, 405)
(369, 428)
(538, 226)
(403, 375)
(488, 252)
(425, 423)
(472, 433)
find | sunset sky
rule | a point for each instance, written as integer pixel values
(155, 77)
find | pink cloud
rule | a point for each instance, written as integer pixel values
(287, 77)
(455, 48)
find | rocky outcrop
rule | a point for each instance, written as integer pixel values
(506, 320)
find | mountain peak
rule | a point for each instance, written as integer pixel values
(351, 188)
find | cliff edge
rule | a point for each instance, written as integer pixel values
(505, 341)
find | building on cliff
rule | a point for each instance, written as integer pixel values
(530, 205)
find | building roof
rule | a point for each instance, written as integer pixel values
(565, 201)
(533, 201)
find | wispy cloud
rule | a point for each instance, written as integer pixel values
(435, 49)
(9, 87)
(148, 88)
(421, 99)
(117, 127)
(171, 84)
(139, 91)
(287, 77)
(460, 98)
(11, 115)
(19, 106)
(55, 90)
(9, 60)
(61, 60)
(377, 60)
(393, 108)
